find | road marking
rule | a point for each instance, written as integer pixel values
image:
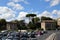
(51, 37)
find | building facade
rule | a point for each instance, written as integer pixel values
(11, 26)
(58, 22)
(48, 24)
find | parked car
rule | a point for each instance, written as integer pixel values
(10, 38)
(23, 39)
(24, 35)
(33, 35)
(1, 35)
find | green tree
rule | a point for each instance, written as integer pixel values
(35, 20)
(21, 25)
(30, 16)
(2, 24)
(31, 26)
(38, 25)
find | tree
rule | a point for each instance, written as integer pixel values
(21, 25)
(35, 20)
(2, 24)
(38, 25)
(31, 26)
(30, 16)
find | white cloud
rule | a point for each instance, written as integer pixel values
(54, 2)
(45, 13)
(15, 6)
(18, 6)
(54, 14)
(11, 4)
(8, 20)
(22, 15)
(6, 13)
(24, 1)
(47, 0)
(16, 0)
(55, 11)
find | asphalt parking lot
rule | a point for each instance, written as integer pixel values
(13, 35)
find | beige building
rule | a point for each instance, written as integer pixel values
(58, 22)
(11, 26)
(48, 24)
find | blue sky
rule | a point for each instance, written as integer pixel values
(17, 9)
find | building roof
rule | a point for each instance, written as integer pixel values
(58, 19)
(48, 21)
